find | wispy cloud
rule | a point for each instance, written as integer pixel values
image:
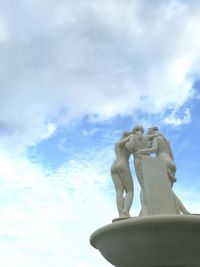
(69, 59)
(47, 220)
(174, 120)
(62, 61)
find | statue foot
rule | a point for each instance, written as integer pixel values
(122, 216)
(185, 212)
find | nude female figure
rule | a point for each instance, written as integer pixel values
(136, 142)
(161, 147)
(122, 178)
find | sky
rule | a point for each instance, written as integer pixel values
(74, 74)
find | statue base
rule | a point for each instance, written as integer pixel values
(151, 241)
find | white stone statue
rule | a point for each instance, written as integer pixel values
(161, 147)
(136, 142)
(156, 175)
(166, 239)
(122, 178)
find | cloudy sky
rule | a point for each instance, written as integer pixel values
(74, 74)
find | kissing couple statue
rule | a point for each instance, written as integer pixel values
(156, 175)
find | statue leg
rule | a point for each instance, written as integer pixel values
(119, 188)
(180, 205)
(139, 174)
(128, 185)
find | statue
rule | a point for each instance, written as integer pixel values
(161, 147)
(138, 141)
(156, 176)
(122, 178)
(165, 239)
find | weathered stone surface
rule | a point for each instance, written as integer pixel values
(152, 241)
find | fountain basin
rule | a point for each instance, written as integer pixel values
(151, 241)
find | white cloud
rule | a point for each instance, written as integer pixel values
(51, 128)
(174, 120)
(61, 60)
(181, 68)
(46, 220)
(3, 34)
(67, 59)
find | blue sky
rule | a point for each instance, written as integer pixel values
(73, 76)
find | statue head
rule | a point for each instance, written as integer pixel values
(152, 130)
(125, 134)
(138, 128)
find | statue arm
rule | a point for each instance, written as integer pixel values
(123, 141)
(151, 136)
(130, 143)
(153, 149)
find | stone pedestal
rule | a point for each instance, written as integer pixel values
(152, 241)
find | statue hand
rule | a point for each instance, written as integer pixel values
(138, 154)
